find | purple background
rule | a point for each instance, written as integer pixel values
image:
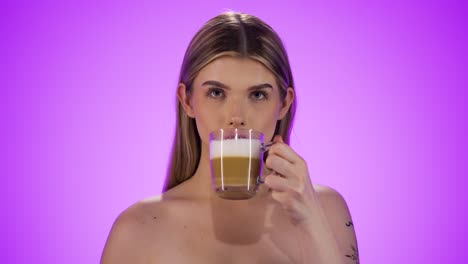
(87, 112)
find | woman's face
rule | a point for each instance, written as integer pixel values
(235, 92)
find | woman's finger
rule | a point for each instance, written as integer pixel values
(280, 165)
(280, 184)
(283, 150)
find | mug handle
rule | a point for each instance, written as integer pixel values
(267, 146)
(264, 148)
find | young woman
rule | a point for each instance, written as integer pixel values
(235, 74)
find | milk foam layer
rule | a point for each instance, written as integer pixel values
(235, 147)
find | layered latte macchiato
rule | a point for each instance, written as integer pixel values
(235, 166)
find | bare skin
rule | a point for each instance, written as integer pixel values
(181, 228)
(290, 220)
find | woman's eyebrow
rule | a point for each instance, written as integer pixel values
(251, 88)
(215, 83)
(260, 86)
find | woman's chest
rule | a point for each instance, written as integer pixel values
(269, 249)
(232, 237)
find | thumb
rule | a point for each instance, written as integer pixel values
(278, 139)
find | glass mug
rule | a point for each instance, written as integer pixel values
(236, 162)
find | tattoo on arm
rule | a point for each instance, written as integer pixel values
(355, 255)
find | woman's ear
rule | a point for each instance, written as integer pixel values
(184, 99)
(286, 104)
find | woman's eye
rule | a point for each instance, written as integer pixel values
(257, 95)
(215, 93)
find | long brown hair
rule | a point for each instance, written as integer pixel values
(246, 36)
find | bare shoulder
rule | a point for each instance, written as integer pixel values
(139, 229)
(339, 217)
(331, 199)
(145, 227)
(126, 240)
(333, 204)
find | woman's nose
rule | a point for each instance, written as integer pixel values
(236, 121)
(235, 111)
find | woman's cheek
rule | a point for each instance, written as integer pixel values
(270, 124)
(207, 121)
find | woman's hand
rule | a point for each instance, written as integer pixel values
(318, 225)
(290, 183)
